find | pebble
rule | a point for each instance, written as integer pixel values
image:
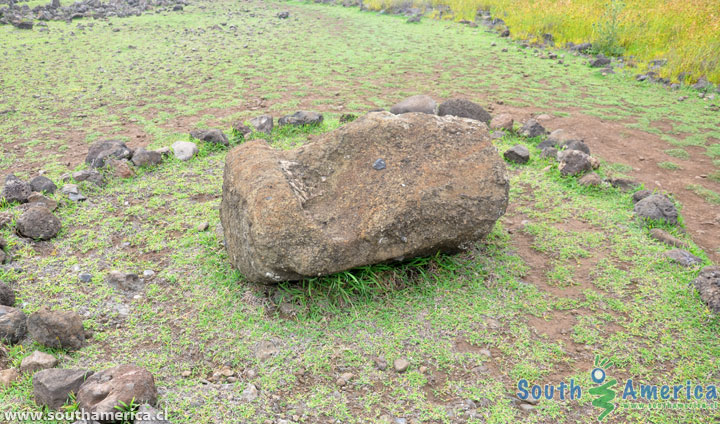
(401, 365)
(85, 277)
(379, 165)
(148, 273)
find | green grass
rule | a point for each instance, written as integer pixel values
(678, 153)
(669, 166)
(566, 274)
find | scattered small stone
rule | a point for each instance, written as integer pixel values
(5, 219)
(15, 190)
(517, 154)
(381, 364)
(7, 295)
(39, 199)
(23, 24)
(532, 128)
(682, 257)
(496, 135)
(148, 273)
(184, 150)
(90, 175)
(590, 180)
(263, 123)
(600, 61)
(104, 391)
(38, 223)
(526, 407)
(419, 103)
(52, 387)
(13, 324)
(623, 184)
(37, 361)
(283, 15)
(574, 145)
(9, 376)
(203, 226)
(57, 329)
(347, 117)
(42, 184)
(242, 129)
(186, 374)
(142, 157)
(344, 378)
(120, 168)
(301, 117)
(464, 109)
(85, 277)
(73, 193)
(707, 284)
(125, 281)
(401, 365)
(379, 165)
(657, 207)
(250, 393)
(101, 151)
(667, 238)
(213, 135)
(574, 162)
(641, 194)
(549, 152)
(265, 349)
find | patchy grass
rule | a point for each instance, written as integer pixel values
(672, 166)
(709, 195)
(687, 37)
(678, 153)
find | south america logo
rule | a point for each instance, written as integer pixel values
(603, 394)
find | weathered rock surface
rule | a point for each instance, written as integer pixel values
(101, 151)
(574, 162)
(57, 329)
(301, 117)
(38, 223)
(37, 361)
(39, 199)
(324, 207)
(590, 180)
(503, 122)
(707, 284)
(517, 154)
(142, 157)
(13, 324)
(103, 391)
(682, 257)
(52, 387)
(184, 150)
(667, 238)
(7, 295)
(463, 108)
(262, 123)
(15, 190)
(212, 135)
(420, 103)
(8, 376)
(42, 184)
(532, 128)
(657, 207)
